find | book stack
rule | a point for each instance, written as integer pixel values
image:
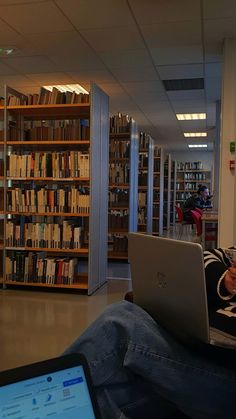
(142, 199)
(47, 97)
(50, 130)
(118, 219)
(119, 149)
(47, 200)
(118, 243)
(37, 268)
(119, 173)
(118, 197)
(65, 235)
(48, 164)
(119, 124)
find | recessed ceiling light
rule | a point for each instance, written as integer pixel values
(68, 88)
(197, 145)
(195, 134)
(6, 51)
(190, 116)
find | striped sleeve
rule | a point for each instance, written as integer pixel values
(216, 265)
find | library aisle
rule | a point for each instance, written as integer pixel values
(38, 325)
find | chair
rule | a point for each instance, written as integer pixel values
(180, 221)
(198, 210)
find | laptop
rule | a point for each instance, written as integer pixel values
(60, 388)
(168, 279)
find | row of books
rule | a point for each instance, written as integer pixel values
(142, 216)
(119, 197)
(118, 219)
(155, 210)
(47, 97)
(156, 165)
(119, 149)
(195, 176)
(143, 161)
(182, 196)
(66, 235)
(119, 123)
(196, 165)
(48, 164)
(37, 268)
(63, 130)
(68, 200)
(142, 199)
(119, 173)
(142, 179)
(143, 141)
(118, 243)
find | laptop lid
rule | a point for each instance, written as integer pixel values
(168, 280)
(60, 388)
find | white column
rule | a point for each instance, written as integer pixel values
(227, 187)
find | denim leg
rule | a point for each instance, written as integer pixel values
(135, 363)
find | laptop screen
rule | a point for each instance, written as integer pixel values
(61, 395)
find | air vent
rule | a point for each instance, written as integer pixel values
(184, 84)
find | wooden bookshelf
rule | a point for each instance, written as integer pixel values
(32, 131)
(123, 184)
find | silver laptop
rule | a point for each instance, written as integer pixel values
(168, 279)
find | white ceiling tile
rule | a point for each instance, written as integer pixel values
(217, 29)
(98, 76)
(56, 43)
(50, 78)
(178, 55)
(217, 8)
(161, 35)
(152, 97)
(113, 89)
(196, 94)
(11, 2)
(145, 87)
(17, 81)
(184, 71)
(114, 39)
(33, 64)
(89, 14)
(136, 73)
(40, 17)
(213, 70)
(75, 62)
(153, 11)
(188, 106)
(117, 59)
(213, 88)
(191, 126)
(6, 70)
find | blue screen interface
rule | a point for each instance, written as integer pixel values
(59, 395)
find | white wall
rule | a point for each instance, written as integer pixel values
(206, 157)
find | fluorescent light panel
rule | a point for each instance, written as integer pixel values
(190, 116)
(197, 145)
(68, 88)
(195, 134)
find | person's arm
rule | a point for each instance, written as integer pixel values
(218, 277)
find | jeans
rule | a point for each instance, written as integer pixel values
(140, 371)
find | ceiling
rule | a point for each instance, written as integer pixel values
(127, 47)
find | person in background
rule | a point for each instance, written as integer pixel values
(199, 200)
(141, 371)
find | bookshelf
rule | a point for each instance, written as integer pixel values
(158, 191)
(188, 176)
(123, 184)
(55, 189)
(145, 183)
(167, 192)
(173, 191)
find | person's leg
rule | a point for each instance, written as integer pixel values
(130, 355)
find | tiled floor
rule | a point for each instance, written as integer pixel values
(40, 325)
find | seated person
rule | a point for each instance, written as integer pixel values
(200, 200)
(140, 371)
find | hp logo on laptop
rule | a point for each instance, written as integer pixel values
(161, 280)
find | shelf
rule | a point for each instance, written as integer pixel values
(155, 218)
(156, 173)
(117, 186)
(81, 251)
(122, 159)
(48, 214)
(157, 158)
(50, 179)
(120, 135)
(114, 255)
(118, 231)
(118, 208)
(143, 188)
(49, 142)
(51, 111)
(82, 285)
(193, 170)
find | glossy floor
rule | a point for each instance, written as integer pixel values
(40, 325)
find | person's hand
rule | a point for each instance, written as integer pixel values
(230, 279)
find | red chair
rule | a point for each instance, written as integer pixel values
(198, 210)
(180, 220)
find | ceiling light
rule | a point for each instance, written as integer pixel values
(197, 145)
(190, 116)
(68, 88)
(195, 134)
